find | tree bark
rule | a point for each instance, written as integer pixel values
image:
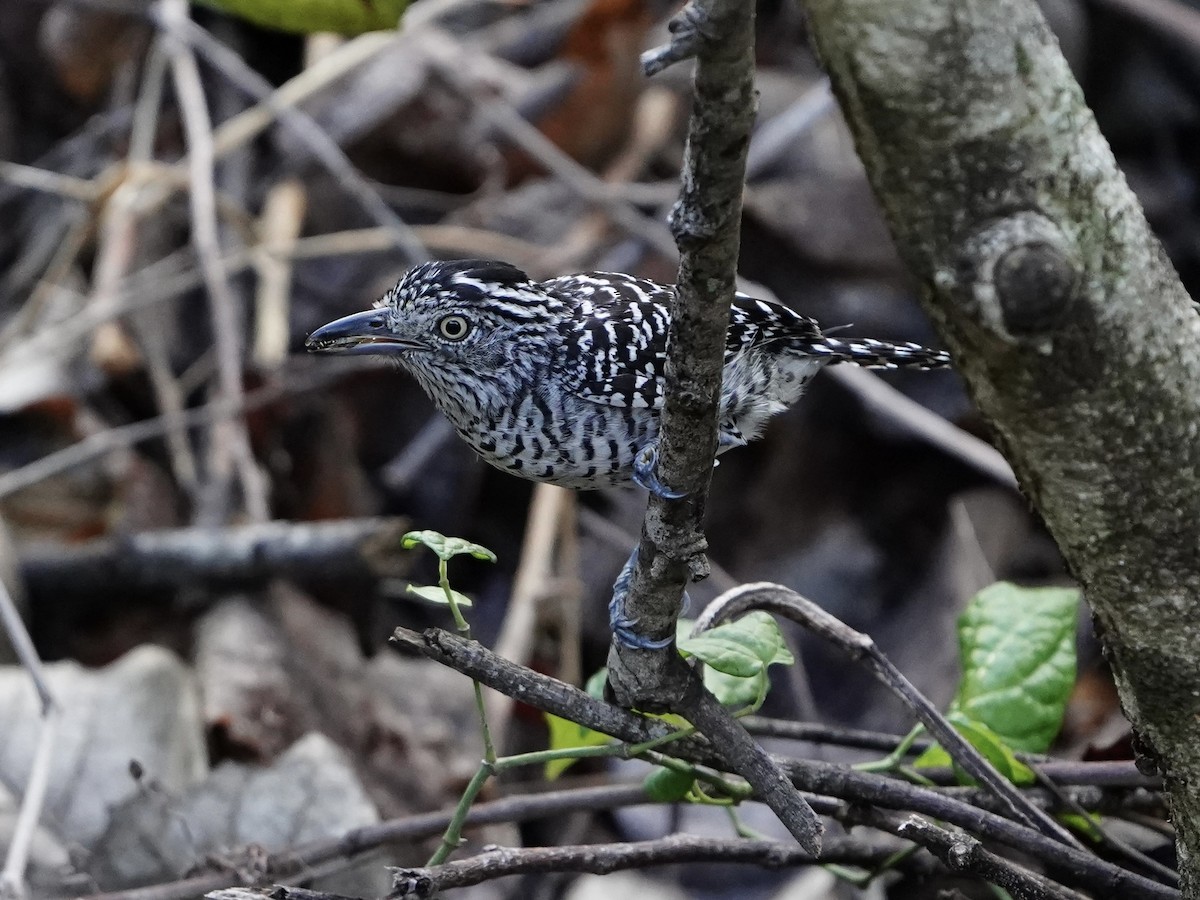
(1068, 323)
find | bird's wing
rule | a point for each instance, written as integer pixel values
(616, 346)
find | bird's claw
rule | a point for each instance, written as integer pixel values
(645, 473)
(624, 627)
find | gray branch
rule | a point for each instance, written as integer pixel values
(706, 224)
(1072, 330)
(857, 789)
(176, 557)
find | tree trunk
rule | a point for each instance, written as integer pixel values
(1068, 323)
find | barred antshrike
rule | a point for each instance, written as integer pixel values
(561, 381)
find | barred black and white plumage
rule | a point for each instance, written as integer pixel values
(561, 380)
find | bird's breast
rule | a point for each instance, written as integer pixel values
(558, 438)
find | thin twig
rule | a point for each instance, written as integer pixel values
(12, 876)
(323, 147)
(453, 62)
(296, 863)
(32, 178)
(602, 859)
(781, 134)
(125, 436)
(783, 601)
(279, 227)
(231, 453)
(963, 853)
(565, 701)
(515, 641)
(175, 557)
(884, 400)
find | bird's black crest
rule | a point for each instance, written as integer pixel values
(491, 271)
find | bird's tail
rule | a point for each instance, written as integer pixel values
(875, 354)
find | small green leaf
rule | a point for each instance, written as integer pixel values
(667, 785)
(1083, 825)
(568, 735)
(988, 743)
(740, 648)
(435, 594)
(1017, 647)
(346, 17)
(446, 547)
(738, 655)
(735, 691)
(595, 685)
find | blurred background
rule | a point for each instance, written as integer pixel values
(200, 523)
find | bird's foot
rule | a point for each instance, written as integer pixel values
(624, 627)
(645, 473)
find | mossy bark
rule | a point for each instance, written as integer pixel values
(1068, 323)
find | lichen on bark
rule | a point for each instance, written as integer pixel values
(1072, 330)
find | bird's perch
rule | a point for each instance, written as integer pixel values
(706, 223)
(1072, 330)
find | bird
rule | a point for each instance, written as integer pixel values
(562, 381)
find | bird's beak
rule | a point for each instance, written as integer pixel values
(364, 332)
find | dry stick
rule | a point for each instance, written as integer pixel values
(536, 568)
(706, 224)
(12, 876)
(297, 863)
(279, 226)
(883, 399)
(117, 234)
(783, 601)
(452, 59)
(963, 853)
(14, 334)
(230, 442)
(652, 129)
(1065, 801)
(599, 859)
(126, 436)
(35, 179)
(164, 281)
(859, 788)
(116, 249)
(603, 859)
(174, 557)
(776, 139)
(323, 147)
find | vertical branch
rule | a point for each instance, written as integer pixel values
(231, 453)
(706, 224)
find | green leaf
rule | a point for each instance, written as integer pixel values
(738, 655)
(1083, 825)
(988, 743)
(435, 594)
(595, 685)
(446, 547)
(667, 785)
(346, 17)
(1017, 647)
(568, 735)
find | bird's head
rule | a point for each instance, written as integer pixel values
(449, 323)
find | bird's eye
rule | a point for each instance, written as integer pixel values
(454, 328)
